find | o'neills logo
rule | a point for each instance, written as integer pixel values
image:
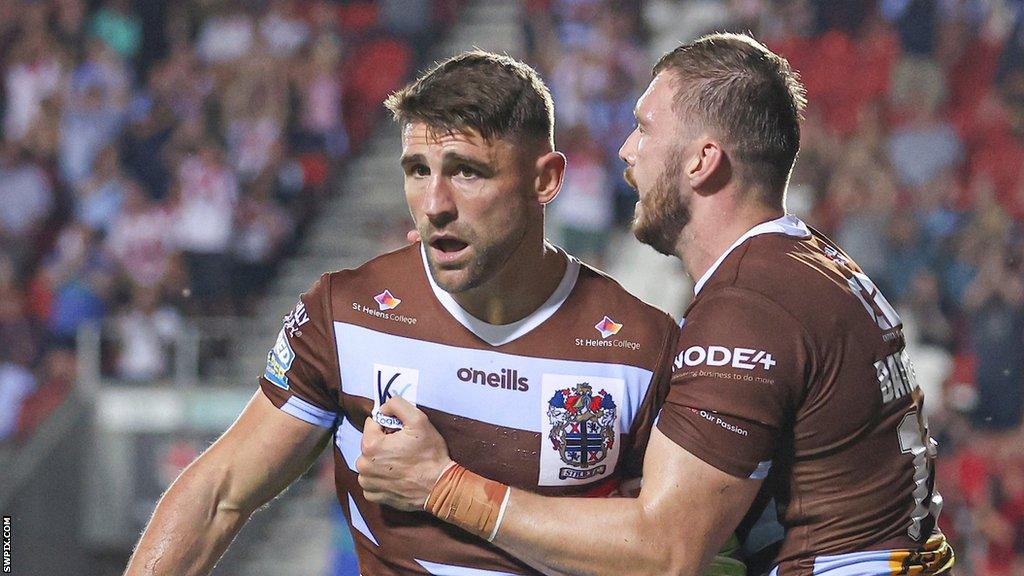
(507, 379)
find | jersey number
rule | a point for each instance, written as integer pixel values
(913, 433)
(877, 306)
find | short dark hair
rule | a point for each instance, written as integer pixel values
(495, 94)
(733, 84)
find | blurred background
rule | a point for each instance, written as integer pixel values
(174, 174)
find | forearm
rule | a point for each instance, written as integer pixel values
(190, 530)
(593, 536)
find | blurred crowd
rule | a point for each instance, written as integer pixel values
(158, 158)
(912, 159)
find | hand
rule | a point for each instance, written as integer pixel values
(400, 469)
(412, 236)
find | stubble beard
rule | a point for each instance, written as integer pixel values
(487, 261)
(664, 214)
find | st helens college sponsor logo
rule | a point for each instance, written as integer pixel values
(608, 328)
(385, 302)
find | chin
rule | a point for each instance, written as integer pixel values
(452, 280)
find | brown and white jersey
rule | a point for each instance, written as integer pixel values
(791, 367)
(559, 403)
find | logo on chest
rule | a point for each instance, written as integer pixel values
(390, 381)
(581, 426)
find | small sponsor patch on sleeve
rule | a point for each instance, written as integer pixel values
(279, 360)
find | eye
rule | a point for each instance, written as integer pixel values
(464, 171)
(419, 170)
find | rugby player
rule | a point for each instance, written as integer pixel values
(790, 380)
(503, 340)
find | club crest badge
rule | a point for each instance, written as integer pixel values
(582, 419)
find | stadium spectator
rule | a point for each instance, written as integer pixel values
(145, 328)
(585, 210)
(319, 86)
(118, 27)
(16, 383)
(100, 196)
(282, 29)
(140, 239)
(35, 71)
(27, 199)
(203, 208)
(261, 229)
(995, 301)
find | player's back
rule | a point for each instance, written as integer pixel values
(861, 475)
(798, 365)
(559, 403)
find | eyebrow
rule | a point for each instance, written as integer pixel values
(449, 160)
(412, 160)
(455, 159)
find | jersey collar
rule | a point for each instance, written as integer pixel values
(789, 225)
(499, 334)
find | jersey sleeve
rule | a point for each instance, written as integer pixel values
(640, 432)
(740, 368)
(301, 376)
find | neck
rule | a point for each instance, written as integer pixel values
(713, 229)
(526, 281)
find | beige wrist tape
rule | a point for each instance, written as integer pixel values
(468, 501)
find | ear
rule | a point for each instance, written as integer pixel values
(550, 171)
(708, 168)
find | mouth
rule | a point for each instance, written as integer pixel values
(446, 248)
(627, 175)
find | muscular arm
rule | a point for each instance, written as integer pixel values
(685, 511)
(261, 454)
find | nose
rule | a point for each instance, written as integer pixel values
(627, 152)
(438, 202)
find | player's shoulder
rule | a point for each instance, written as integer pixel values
(802, 277)
(789, 271)
(400, 267)
(598, 290)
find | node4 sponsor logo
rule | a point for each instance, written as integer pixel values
(608, 327)
(742, 358)
(387, 301)
(393, 381)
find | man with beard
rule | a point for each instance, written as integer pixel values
(790, 380)
(503, 339)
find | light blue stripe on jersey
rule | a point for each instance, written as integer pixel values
(358, 522)
(309, 413)
(450, 570)
(439, 388)
(348, 441)
(871, 563)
